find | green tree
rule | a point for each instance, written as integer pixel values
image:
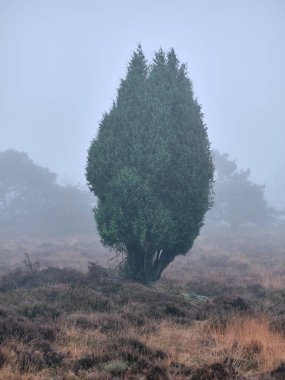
(151, 167)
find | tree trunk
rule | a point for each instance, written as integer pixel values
(146, 267)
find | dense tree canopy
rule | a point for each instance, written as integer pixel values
(151, 166)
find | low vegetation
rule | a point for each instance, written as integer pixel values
(218, 314)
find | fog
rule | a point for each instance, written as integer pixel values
(61, 63)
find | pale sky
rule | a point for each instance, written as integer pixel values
(61, 62)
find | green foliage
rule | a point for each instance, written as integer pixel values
(151, 166)
(238, 200)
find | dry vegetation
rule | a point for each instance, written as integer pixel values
(218, 313)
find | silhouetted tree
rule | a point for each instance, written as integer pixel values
(19, 177)
(238, 200)
(32, 203)
(151, 167)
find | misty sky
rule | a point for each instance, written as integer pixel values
(61, 62)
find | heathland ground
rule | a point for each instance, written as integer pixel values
(217, 313)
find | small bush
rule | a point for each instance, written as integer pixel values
(25, 331)
(279, 372)
(41, 310)
(88, 361)
(116, 367)
(219, 371)
(37, 356)
(29, 361)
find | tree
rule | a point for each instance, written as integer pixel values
(33, 204)
(23, 185)
(151, 167)
(238, 200)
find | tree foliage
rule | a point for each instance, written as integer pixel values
(32, 203)
(151, 166)
(238, 200)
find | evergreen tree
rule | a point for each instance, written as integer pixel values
(238, 200)
(151, 167)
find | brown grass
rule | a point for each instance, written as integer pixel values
(184, 345)
(76, 342)
(250, 343)
(247, 342)
(102, 325)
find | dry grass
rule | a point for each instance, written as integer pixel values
(275, 280)
(74, 252)
(247, 342)
(77, 342)
(250, 343)
(184, 345)
(102, 326)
